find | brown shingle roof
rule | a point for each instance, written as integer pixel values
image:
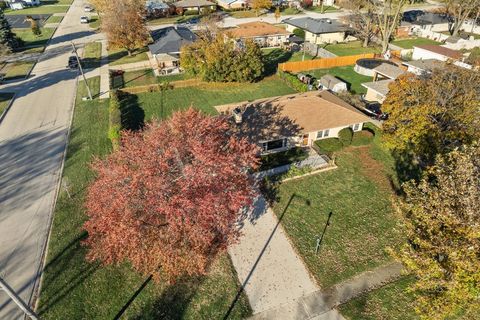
(255, 29)
(454, 54)
(308, 112)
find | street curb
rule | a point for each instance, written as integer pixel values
(4, 113)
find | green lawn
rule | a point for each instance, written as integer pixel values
(389, 302)
(43, 9)
(75, 289)
(146, 77)
(31, 40)
(350, 48)
(54, 19)
(210, 95)
(62, 2)
(290, 11)
(363, 224)
(92, 54)
(409, 43)
(5, 99)
(243, 14)
(120, 56)
(94, 22)
(325, 9)
(347, 74)
(17, 70)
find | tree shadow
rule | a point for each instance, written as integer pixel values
(273, 58)
(132, 115)
(407, 168)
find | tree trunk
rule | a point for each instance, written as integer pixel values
(129, 51)
(366, 41)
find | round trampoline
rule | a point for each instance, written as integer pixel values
(366, 66)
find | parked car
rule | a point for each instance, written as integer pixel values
(88, 9)
(373, 109)
(72, 62)
(84, 19)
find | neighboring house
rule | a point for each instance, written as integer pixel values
(429, 21)
(320, 30)
(165, 51)
(262, 33)
(280, 123)
(437, 52)
(329, 82)
(194, 5)
(326, 3)
(420, 67)
(158, 8)
(22, 4)
(383, 75)
(232, 4)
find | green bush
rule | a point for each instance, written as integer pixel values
(329, 146)
(299, 33)
(277, 159)
(114, 120)
(292, 81)
(345, 136)
(190, 12)
(363, 137)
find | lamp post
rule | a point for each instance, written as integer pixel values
(320, 238)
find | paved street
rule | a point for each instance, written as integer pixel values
(33, 138)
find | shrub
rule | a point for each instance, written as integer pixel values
(363, 137)
(277, 159)
(345, 136)
(190, 12)
(114, 120)
(329, 146)
(292, 81)
(299, 33)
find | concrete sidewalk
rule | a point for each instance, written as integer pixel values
(266, 263)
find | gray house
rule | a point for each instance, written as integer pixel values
(320, 30)
(165, 51)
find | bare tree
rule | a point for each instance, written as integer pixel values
(461, 10)
(388, 17)
(362, 20)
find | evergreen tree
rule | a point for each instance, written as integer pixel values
(8, 41)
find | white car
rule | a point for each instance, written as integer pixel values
(88, 9)
(84, 19)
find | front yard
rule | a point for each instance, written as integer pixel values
(5, 99)
(409, 43)
(76, 289)
(16, 70)
(363, 224)
(351, 48)
(120, 56)
(33, 41)
(92, 54)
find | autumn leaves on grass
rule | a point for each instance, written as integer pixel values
(169, 198)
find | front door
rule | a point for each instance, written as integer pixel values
(305, 140)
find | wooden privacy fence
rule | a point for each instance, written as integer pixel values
(324, 63)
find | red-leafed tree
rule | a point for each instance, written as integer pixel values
(169, 199)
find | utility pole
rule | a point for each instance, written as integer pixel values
(319, 239)
(81, 70)
(18, 301)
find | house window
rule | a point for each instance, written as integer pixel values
(323, 134)
(274, 144)
(356, 126)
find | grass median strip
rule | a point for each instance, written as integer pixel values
(92, 54)
(5, 99)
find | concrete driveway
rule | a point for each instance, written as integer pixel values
(33, 138)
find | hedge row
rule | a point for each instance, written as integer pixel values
(114, 120)
(292, 81)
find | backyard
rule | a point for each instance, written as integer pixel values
(353, 79)
(363, 223)
(409, 43)
(350, 48)
(146, 77)
(73, 288)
